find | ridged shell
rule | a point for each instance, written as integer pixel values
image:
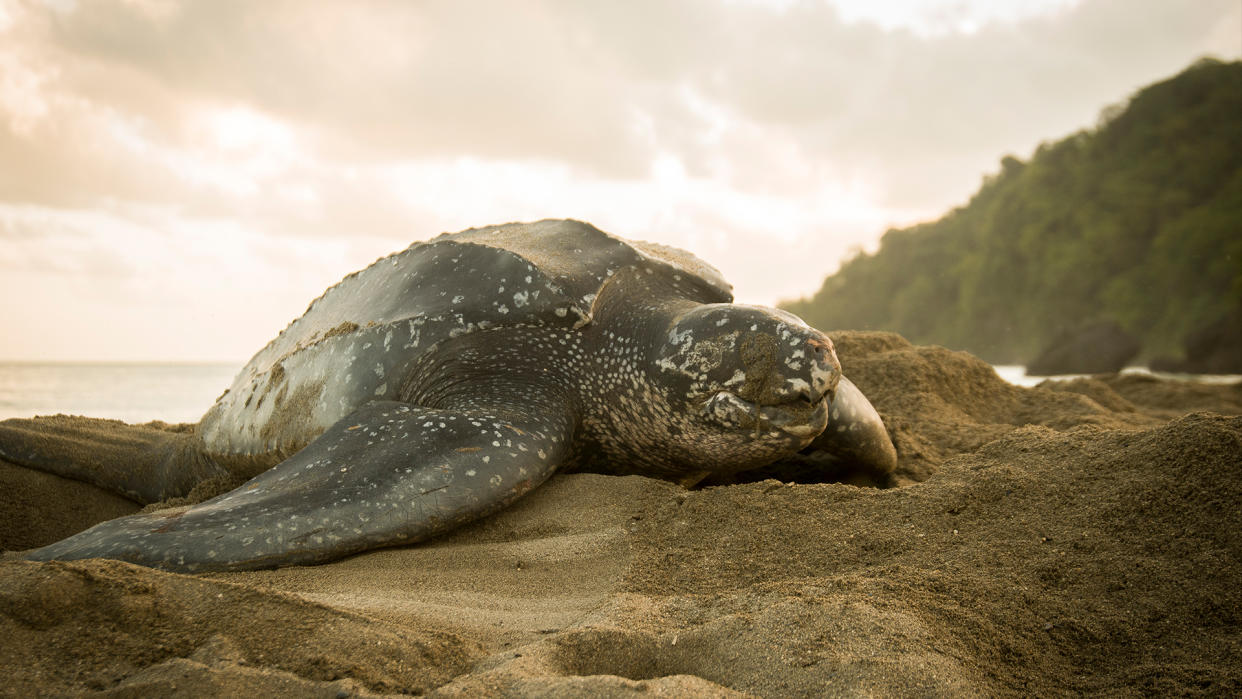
(358, 340)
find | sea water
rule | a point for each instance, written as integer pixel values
(1016, 374)
(122, 391)
(183, 392)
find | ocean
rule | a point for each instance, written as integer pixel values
(176, 392)
(122, 391)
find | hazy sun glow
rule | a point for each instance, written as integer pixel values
(945, 16)
(241, 129)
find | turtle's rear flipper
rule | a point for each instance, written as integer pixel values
(389, 473)
(145, 464)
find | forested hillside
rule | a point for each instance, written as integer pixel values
(1138, 220)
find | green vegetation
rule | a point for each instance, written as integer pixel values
(1138, 220)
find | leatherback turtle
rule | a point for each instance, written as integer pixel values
(443, 382)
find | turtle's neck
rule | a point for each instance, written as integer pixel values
(628, 420)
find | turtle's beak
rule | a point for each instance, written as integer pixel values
(856, 435)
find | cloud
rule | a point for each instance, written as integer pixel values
(605, 89)
(431, 79)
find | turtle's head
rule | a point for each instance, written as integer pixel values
(757, 382)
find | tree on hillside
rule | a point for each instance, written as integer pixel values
(1137, 221)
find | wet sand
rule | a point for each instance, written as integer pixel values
(1075, 537)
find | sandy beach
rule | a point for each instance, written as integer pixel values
(1075, 537)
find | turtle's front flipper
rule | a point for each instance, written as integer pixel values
(389, 473)
(141, 462)
(855, 440)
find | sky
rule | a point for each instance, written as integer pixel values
(179, 179)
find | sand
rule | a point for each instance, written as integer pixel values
(1076, 537)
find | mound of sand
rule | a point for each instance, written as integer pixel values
(1075, 537)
